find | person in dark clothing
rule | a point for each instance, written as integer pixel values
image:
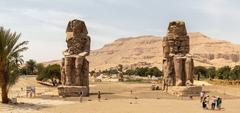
(219, 101)
(99, 96)
(213, 102)
(204, 105)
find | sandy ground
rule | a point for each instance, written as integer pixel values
(142, 106)
(117, 98)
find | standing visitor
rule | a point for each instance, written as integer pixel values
(33, 90)
(80, 98)
(99, 96)
(204, 102)
(202, 93)
(219, 101)
(207, 101)
(213, 102)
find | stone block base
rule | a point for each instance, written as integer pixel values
(185, 90)
(73, 91)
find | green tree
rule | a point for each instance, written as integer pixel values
(235, 73)
(113, 71)
(141, 71)
(224, 72)
(211, 72)
(200, 71)
(105, 72)
(39, 68)
(52, 73)
(24, 71)
(110, 71)
(130, 72)
(10, 58)
(31, 66)
(154, 71)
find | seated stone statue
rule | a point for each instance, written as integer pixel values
(177, 62)
(75, 67)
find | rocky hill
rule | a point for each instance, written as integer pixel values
(147, 51)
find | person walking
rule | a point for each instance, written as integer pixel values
(99, 96)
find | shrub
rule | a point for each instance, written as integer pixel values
(52, 73)
(235, 73)
(200, 71)
(211, 72)
(224, 72)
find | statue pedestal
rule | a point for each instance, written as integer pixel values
(73, 91)
(185, 90)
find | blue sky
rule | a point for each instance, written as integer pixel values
(43, 22)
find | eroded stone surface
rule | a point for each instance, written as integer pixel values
(75, 66)
(177, 62)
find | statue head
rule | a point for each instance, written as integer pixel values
(77, 26)
(77, 39)
(177, 28)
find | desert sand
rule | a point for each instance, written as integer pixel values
(117, 98)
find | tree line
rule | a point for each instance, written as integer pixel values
(141, 71)
(223, 73)
(53, 72)
(200, 72)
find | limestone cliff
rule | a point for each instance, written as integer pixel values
(147, 51)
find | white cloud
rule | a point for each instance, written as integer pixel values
(45, 28)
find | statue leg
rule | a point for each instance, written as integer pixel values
(79, 69)
(189, 71)
(69, 70)
(178, 66)
(165, 73)
(63, 76)
(85, 72)
(171, 72)
(85, 79)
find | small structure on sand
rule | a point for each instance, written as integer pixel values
(178, 62)
(75, 66)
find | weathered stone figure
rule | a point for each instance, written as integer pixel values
(120, 73)
(75, 67)
(177, 62)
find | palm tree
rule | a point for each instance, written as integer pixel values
(31, 65)
(9, 55)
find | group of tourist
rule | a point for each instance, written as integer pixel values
(213, 102)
